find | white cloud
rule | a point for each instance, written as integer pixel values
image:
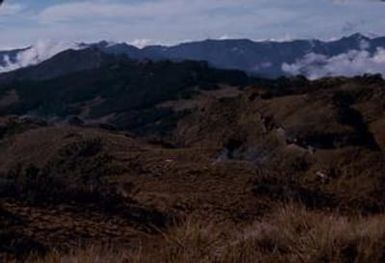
(140, 42)
(42, 50)
(352, 63)
(170, 21)
(161, 9)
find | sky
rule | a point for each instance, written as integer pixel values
(144, 22)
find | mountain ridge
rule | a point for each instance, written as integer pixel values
(260, 58)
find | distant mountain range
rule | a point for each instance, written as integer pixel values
(352, 55)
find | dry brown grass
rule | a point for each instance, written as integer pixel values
(290, 234)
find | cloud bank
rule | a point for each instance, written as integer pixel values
(352, 63)
(35, 54)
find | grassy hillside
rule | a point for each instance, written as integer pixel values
(177, 162)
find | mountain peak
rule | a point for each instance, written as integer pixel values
(358, 36)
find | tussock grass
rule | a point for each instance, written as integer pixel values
(289, 234)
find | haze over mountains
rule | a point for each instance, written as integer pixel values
(353, 55)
